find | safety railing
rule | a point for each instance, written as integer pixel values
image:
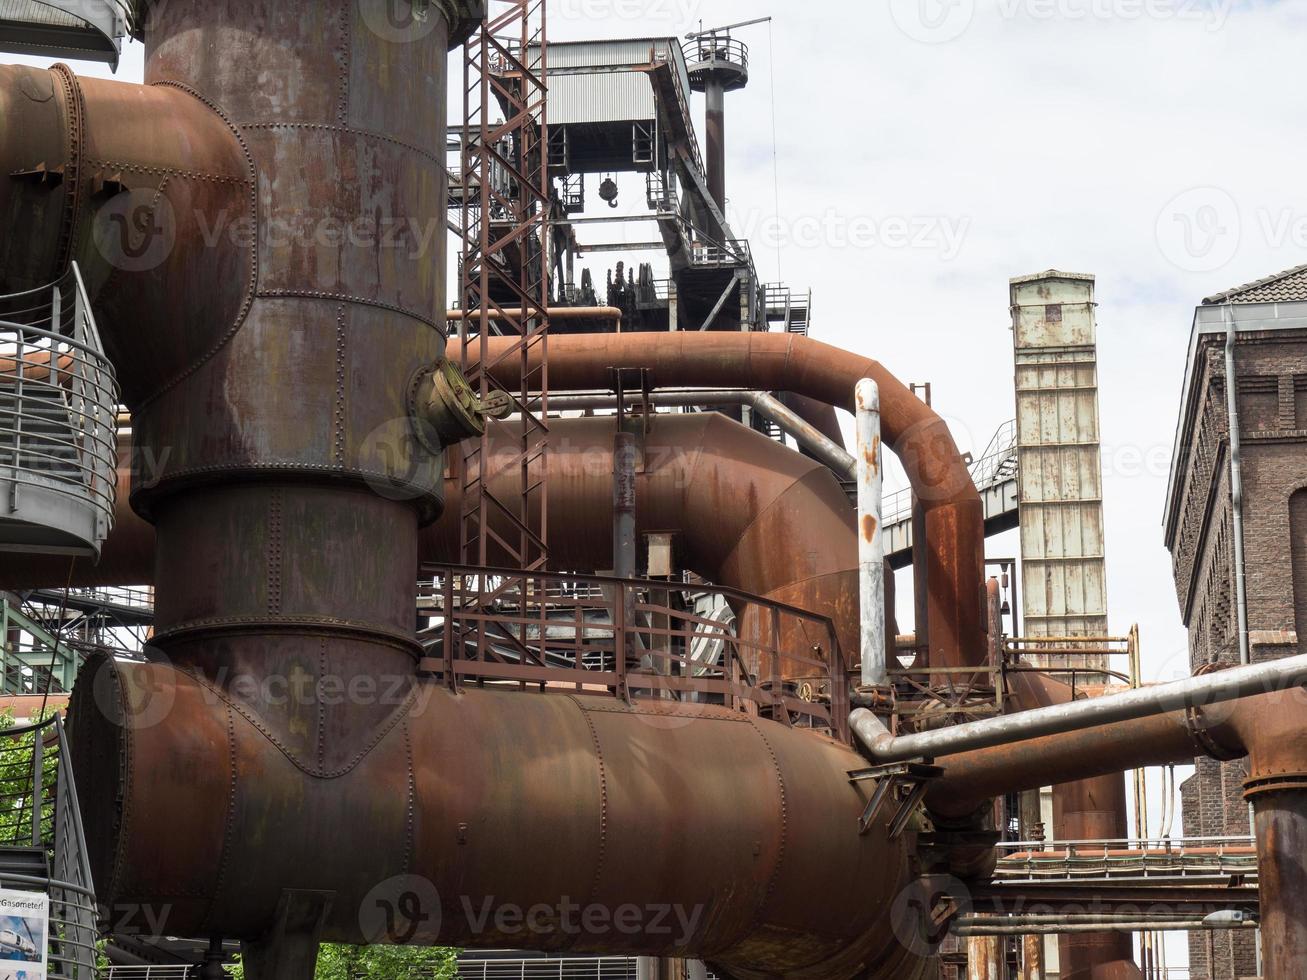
(1214, 858)
(58, 400)
(42, 844)
(136, 972)
(704, 52)
(631, 639)
(560, 968)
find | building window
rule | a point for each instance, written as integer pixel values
(1298, 545)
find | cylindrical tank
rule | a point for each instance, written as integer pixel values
(719, 835)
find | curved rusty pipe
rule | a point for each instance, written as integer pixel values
(955, 535)
(581, 787)
(746, 511)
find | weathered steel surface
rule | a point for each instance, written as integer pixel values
(501, 800)
(775, 362)
(871, 550)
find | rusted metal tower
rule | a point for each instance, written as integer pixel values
(504, 271)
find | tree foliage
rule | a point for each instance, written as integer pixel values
(337, 962)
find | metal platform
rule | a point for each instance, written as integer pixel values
(79, 30)
(58, 408)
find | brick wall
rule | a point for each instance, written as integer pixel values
(1272, 399)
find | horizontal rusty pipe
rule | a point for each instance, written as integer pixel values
(1084, 714)
(606, 313)
(784, 362)
(749, 513)
(579, 785)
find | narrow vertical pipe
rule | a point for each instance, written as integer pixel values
(716, 141)
(1236, 486)
(920, 582)
(871, 549)
(624, 504)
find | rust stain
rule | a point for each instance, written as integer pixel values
(868, 527)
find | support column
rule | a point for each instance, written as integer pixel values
(1281, 815)
(715, 142)
(985, 958)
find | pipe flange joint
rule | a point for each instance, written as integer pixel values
(444, 409)
(1265, 784)
(1200, 732)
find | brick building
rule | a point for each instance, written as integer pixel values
(1269, 322)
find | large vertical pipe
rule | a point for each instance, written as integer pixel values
(871, 550)
(715, 130)
(1281, 821)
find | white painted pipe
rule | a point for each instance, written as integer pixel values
(1209, 689)
(871, 548)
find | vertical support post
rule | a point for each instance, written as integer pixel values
(38, 783)
(1032, 958)
(624, 549)
(984, 958)
(871, 549)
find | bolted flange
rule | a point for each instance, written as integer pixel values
(445, 410)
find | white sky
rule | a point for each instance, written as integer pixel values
(1155, 143)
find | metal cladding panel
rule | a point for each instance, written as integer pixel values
(1060, 460)
(621, 96)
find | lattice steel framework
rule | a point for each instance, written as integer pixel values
(505, 196)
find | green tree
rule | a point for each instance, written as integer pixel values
(336, 962)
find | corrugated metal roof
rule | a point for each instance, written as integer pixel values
(599, 54)
(600, 97)
(1289, 286)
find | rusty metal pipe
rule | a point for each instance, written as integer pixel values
(786, 362)
(1088, 714)
(579, 785)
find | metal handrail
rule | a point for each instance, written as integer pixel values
(616, 636)
(41, 814)
(58, 396)
(710, 49)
